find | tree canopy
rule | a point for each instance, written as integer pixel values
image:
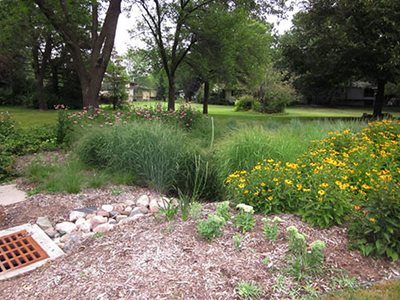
(333, 41)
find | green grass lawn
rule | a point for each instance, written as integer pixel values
(389, 290)
(26, 117)
(29, 117)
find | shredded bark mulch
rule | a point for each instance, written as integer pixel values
(155, 259)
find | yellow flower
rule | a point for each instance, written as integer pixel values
(299, 187)
(324, 185)
(270, 198)
(240, 186)
(373, 220)
(275, 179)
(246, 192)
(357, 207)
(321, 192)
(306, 190)
(258, 167)
(263, 184)
(288, 182)
(366, 186)
(242, 179)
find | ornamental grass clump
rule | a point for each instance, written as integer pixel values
(336, 181)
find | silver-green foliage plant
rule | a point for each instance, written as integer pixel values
(223, 210)
(195, 210)
(271, 228)
(244, 220)
(303, 261)
(237, 242)
(248, 290)
(211, 227)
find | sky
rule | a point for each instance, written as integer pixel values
(123, 40)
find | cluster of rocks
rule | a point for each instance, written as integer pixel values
(87, 221)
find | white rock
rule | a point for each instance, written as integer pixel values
(154, 205)
(131, 220)
(66, 227)
(143, 201)
(89, 216)
(97, 220)
(80, 221)
(119, 207)
(120, 217)
(107, 207)
(75, 215)
(129, 202)
(137, 210)
(128, 209)
(85, 226)
(103, 228)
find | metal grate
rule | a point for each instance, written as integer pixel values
(18, 250)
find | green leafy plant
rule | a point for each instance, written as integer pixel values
(237, 242)
(223, 210)
(271, 228)
(169, 210)
(195, 210)
(248, 290)
(211, 227)
(245, 103)
(297, 241)
(244, 220)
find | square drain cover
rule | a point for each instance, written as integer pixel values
(18, 250)
(24, 248)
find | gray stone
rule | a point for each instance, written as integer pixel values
(128, 209)
(112, 221)
(143, 201)
(103, 228)
(65, 227)
(87, 210)
(137, 210)
(131, 220)
(120, 217)
(107, 208)
(45, 224)
(71, 240)
(75, 215)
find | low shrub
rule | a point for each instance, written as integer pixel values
(15, 141)
(210, 228)
(244, 103)
(244, 219)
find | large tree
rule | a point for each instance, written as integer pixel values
(167, 28)
(333, 41)
(233, 49)
(89, 40)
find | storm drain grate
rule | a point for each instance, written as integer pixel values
(18, 250)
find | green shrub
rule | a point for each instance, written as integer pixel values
(211, 227)
(7, 126)
(270, 228)
(244, 103)
(375, 229)
(248, 290)
(223, 210)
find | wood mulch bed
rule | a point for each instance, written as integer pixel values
(155, 259)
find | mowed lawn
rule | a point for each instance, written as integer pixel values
(26, 117)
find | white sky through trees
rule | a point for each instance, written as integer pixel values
(123, 39)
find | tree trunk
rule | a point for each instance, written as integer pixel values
(171, 92)
(379, 99)
(206, 97)
(90, 92)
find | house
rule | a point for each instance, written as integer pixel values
(358, 93)
(139, 92)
